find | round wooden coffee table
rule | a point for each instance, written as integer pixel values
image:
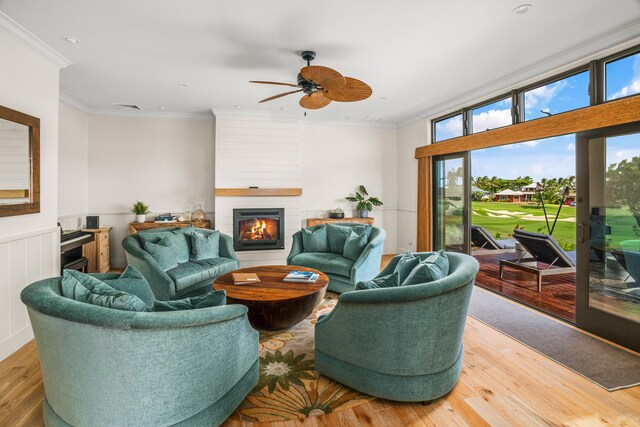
(274, 304)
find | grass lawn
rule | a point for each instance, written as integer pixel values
(500, 218)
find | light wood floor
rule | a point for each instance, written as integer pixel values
(502, 383)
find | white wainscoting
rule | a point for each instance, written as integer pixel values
(24, 259)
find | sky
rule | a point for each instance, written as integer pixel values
(550, 157)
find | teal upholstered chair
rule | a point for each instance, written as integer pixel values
(401, 343)
(343, 272)
(108, 367)
(188, 278)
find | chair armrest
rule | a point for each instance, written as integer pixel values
(188, 318)
(226, 247)
(161, 284)
(296, 246)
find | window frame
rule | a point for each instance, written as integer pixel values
(445, 117)
(602, 73)
(468, 121)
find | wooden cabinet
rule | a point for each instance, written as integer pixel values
(98, 252)
(134, 227)
(317, 221)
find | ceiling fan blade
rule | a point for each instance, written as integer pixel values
(279, 96)
(323, 76)
(314, 101)
(354, 90)
(273, 83)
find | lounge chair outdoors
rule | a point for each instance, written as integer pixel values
(543, 249)
(482, 239)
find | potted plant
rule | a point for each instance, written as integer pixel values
(141, 210)
(365, 203)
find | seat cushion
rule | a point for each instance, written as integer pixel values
(326, 262)
(506, 243)
(192, 272)
(133, 282)
(210, 299)
(91, 290)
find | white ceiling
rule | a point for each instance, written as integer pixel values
(417, 55)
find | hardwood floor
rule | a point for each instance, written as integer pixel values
(502, 383)
(558, 295)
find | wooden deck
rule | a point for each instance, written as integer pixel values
(558, 295)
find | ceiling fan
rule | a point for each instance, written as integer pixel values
(321, 85)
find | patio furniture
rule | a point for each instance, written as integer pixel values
(543, 249)
(482, 239)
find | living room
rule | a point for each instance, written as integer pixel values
(153, 103)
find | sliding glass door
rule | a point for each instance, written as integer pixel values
(608, 234)
(451, 202)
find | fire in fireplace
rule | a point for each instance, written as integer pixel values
(258, 229)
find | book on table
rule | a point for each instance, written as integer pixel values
(244, 278)
(301, 276)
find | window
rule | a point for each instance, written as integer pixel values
(491, 116)
(562, 95)
(450, 127)
(622, 77)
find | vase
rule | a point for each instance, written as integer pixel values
(364, 213)
(141, 218)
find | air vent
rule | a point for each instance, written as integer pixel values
(128, 107)
(372, 119)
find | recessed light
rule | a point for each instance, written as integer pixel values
(183, 84)
(161, 108)
(283, 108)
(522, 9)
(238, 106)
(71, 39)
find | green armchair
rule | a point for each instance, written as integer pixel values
(401, 343)
(189, 277)
(343, 273)
(108, 367)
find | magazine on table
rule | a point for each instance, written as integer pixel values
(301, 276)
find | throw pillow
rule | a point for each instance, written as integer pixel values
(434, 267)
(151, 236)
(182, 243)
(405, 265)
(133, 282)
(316, 240)
(388, 281)
(205, 246)
(88, 289)
(354, 245)
(163, 253)
(338, 234)
(212, 299)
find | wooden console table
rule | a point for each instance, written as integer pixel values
(134, 227)
(317, 221)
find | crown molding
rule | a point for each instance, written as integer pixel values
(24, 36)
(291, 117)
(621, 38)
(67, 100)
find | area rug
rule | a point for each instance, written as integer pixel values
(608, 366)
(289, 387)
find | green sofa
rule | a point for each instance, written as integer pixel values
(400, 343)
(343, 273)
(108, 367)
(190, 277)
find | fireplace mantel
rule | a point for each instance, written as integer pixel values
(257, 192)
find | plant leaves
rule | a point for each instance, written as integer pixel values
(351, 199)
(363, 190)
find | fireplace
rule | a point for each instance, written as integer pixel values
(258, 229)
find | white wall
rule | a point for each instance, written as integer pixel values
(336, 158)
(410, 136)
(29, 244)
(73, 162)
